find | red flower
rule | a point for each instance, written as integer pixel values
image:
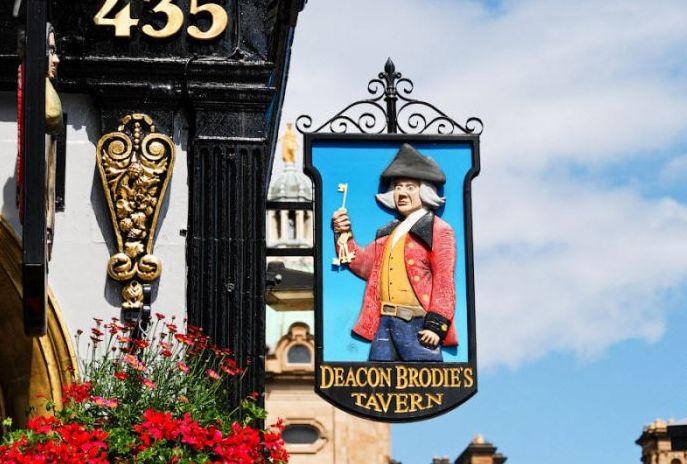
(279, 425)
(183, 367)
(114, 328)
(229, 367)
(42, 424)
(159, 316)
(68, 444)
(181, 338)
(76, 392)
(212, 374)
(148, 383)
(140, 343)
(194, 329)
(158, 425)
(120, 375)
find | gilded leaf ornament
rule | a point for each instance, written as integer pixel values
(135, 165)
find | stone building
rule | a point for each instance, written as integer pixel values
(664, 442)
(315, 431)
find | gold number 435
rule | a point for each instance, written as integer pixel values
(123, 22)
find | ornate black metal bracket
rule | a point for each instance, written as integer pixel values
(398, 114)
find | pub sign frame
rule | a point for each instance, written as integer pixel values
(344, 157)
(398, 391)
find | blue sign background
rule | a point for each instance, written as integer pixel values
(359, 164)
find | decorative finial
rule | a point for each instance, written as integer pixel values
(289, 144)
(390, 76)
(389, 67)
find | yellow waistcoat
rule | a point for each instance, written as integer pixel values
(394, 283)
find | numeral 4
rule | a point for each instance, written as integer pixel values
(122, 21)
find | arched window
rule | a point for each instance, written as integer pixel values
(299, 354)
(676, 461)
(300, 434)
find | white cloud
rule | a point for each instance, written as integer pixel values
(561, 265)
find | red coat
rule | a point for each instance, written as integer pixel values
(430, 253)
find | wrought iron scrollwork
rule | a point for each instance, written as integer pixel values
(391, 109)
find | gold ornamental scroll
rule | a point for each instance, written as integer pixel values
(135, 165)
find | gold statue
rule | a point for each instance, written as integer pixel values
(289, 145)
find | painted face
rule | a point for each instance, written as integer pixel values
(407, 196)
(53, 59)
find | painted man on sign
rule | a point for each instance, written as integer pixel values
(410, 295)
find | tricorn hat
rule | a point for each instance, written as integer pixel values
(411, 164)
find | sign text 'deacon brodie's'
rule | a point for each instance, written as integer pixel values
(398, 389)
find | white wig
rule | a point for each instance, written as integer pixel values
(428, 196)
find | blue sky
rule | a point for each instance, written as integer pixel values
(580, 212)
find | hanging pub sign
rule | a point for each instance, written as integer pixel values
(395, 313)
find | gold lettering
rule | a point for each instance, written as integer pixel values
(373, 377)
(361, 382)
(217, 26)
(350, 379)
(401, 402)
(338, 377)
(372, 404)
(327, 379)
(385, 404)
(434, 398)
(401, 378)
(358, 399)
(412, 381)
(437, 377)
(469, 381)
(122, 22)
(425, 377)
(415, 402)
(175, 19)
(455, 376)
(385, 375)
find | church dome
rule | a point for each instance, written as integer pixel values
(290, 185)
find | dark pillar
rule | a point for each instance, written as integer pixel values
(34, 261)
(226, 235)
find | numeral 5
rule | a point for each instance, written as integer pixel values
(218, 24)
